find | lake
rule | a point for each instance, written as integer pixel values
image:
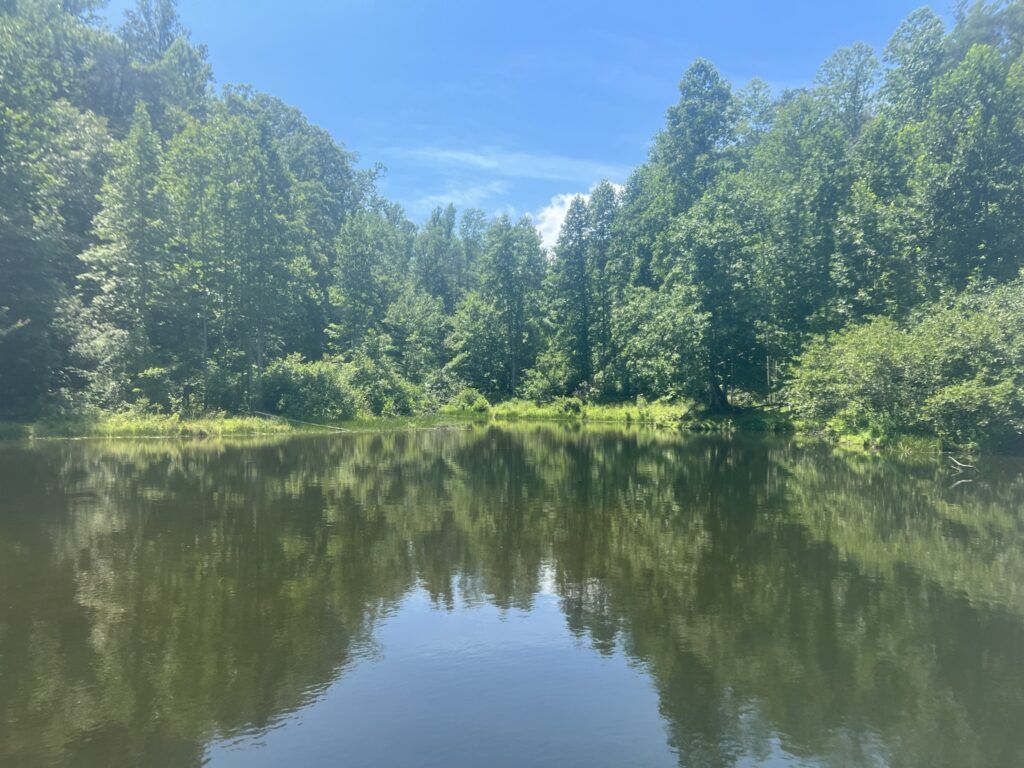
(507, 596)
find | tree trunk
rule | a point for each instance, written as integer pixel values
(718, 399)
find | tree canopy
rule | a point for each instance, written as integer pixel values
(164, 244)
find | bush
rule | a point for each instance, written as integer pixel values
(863, 379)
(442, 387)
(467, 401)
(548, 378)
(379, 388)
(569, 406)
(154, 386)
(977, 413)
(954, 370)
(301, 390)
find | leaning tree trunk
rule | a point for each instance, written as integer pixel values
(718, 401)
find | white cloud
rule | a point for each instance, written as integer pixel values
(515, 164)
(461, 196)
(549, 218)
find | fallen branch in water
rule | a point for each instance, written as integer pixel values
(959, 466)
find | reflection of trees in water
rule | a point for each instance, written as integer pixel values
(158, 594)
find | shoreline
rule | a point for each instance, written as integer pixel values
(682, 418)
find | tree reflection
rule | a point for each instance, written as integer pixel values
(850, 609)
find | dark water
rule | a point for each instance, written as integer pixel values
(493, 597)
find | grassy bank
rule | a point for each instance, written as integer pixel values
(148, 425)
(217, 425)
(683, 415)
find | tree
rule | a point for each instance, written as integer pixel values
(512, 272)
(417, 325)
(916, 57)
(605, 281)
(847, 85)
(696, 131)
(570, 294)
(722, 247)
(130, 263)
(967, 179)
(151, 28)
(660, 338)
(128, 270)
(438, 259)
(477, 347)
(372, 258)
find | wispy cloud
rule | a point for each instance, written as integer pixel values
(549, 219)
(504, 163)
(461, 195)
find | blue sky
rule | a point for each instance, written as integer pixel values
(511, 106)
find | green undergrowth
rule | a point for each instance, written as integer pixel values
(445, 419)
(220, 425)
(684, 415)
(149, 425)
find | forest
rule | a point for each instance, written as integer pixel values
(848, 253)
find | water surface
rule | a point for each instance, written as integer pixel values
(507, 597)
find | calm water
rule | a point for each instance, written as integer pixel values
(495, 597)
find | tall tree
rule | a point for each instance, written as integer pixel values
(438, 257)
(570, 297)
(512, 275)
(604, 278)
(150, 28)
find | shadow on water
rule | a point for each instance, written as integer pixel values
(785, 601)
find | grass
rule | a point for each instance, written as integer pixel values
(427, 421)
(132, 424)
(681, 415)
(147, 425)
(527, 410)
(905, 445)
(571, 409)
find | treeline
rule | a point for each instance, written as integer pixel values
(166, 246)
(169, 247)
(761, 226)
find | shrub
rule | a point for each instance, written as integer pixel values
(307, 390)
(954, 370)
(863, 378)
(467, 401)
(548, 378)
(569, 406)
(379, 388)
(441, 387)
(976, 413)
(154, 386)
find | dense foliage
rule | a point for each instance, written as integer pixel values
(167, 245)
(953, 369)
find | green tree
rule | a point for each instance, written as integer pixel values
(438, 258)
(660, 338)
(372, 257)
(512, 275)
(418, 326)
(570, 292)
(151, 28)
